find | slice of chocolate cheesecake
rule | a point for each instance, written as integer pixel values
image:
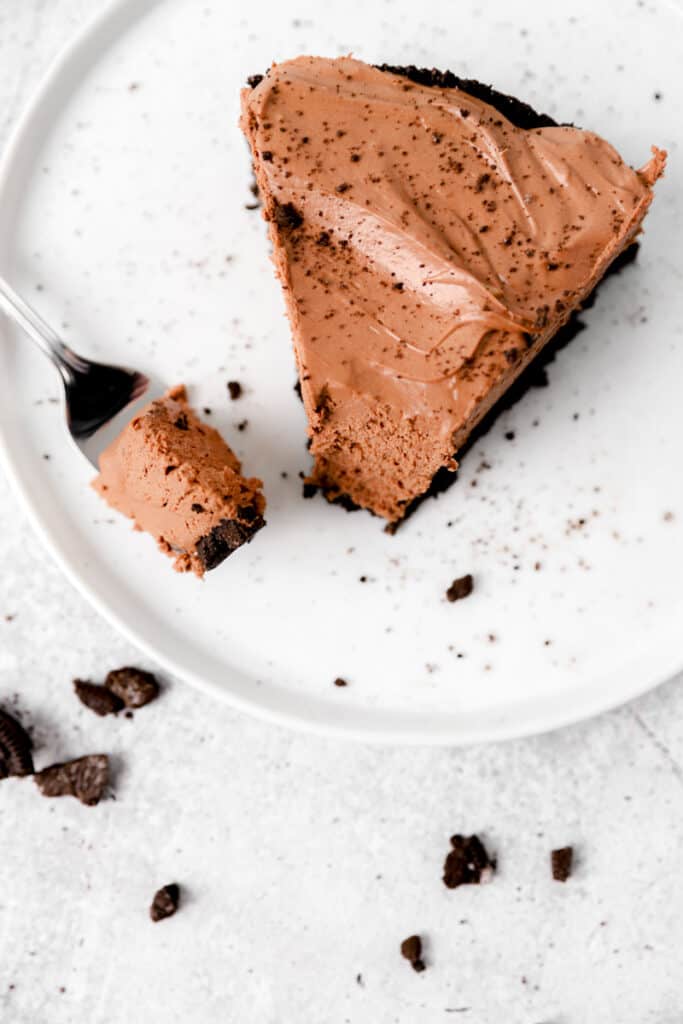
(178, 480)
(431, 236)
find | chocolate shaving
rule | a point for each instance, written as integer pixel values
(287, 217)
(86, 778)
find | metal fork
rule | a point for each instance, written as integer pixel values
(100, 399)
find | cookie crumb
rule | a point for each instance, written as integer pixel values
(165, 903)
(15, 748)
(133, 686)
(561, 863)
(411, 949)
(234, 389)
(340, 682)
(86, 778)
(467, 863)
(460, 588)
(97, 698)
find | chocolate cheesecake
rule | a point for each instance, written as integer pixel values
(178, 480)
(431, 236)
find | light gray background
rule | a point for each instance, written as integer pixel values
(304, 862)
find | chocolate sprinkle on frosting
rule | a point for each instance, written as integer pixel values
(286, 216)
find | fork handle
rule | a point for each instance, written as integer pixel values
(66, 361)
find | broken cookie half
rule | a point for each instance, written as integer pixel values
(179, 481)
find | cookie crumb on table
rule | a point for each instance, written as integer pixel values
(86, 778)
(468, 863)
(460, 588)
(165, 903)
(411, 949)
(561, 863)
(97, 698)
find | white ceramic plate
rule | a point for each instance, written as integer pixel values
(122, 216)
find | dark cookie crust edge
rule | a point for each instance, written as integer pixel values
(518, 113)
(224, 538)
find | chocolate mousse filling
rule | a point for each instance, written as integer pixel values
(178, 480)
(432, 237)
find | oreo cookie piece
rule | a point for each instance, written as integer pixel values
(15, 748)
(86, 778)
(460, 588)
(468, 863)
(98, 698)
(411, 949)
(132, 686)
(165, 902)
(561, 863)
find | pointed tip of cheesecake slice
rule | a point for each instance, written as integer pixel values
(178, 480)
(431, 236)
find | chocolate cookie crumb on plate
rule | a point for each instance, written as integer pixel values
(133, 686)
(15, 748)
(462, 587)
(340, 682)
(411, 949)
(468, 863)
(86, 778)
(234, 389)
(561, 863)
(98, 698)
(165, 902)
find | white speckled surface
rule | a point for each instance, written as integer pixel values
(306, 861)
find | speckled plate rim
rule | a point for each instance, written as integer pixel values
(526, 718)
